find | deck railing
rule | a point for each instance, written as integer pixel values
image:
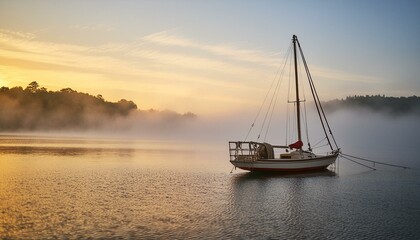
(243, 151)
(249, 151)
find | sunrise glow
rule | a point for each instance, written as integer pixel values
(161, 63)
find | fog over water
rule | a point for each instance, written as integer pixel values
(374, 126)
(370, 134)
(377, 136)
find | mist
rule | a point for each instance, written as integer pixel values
(369, 134)
(358, 130)
(364, 130)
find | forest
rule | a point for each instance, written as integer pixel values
(395, 106)
(36, 108)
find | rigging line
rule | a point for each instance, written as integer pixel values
(271, 116)
(302, 89)
(306, 125)
(357, 162)
(302, 93)
(302, 86)
(288, 105)
(305, 113)
(268, 92)
(318, 107)
(294, 127)
(268, 110)
(326, 121)
(376, 162)
(276, 94)
(315, 96)
(266, 95)
(320, 146)
(287, 122)
(312, 87)
(319, 141)
(290, 77)
(272, 102)
(322, 110)
(275, 97)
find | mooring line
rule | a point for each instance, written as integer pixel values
(357, 162)
(375, 162)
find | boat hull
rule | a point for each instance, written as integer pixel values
(280, 165)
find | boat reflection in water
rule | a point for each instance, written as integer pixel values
(277, 175)
(284, 206)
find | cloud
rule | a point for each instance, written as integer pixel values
(4, 33)
(261, 58)
(129, 58)
(343, 76)
(140, 59)
(160, 70)
(95, 27)
(232, 53)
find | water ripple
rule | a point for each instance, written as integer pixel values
(122, 196)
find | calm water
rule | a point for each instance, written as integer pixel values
(84, 188)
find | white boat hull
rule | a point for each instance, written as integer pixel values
(282, 165)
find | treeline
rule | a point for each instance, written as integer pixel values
(381, 103)
(36, 108)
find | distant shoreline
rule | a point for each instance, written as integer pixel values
(37, 109)
(394, 106)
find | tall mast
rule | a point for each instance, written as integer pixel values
(297, 89)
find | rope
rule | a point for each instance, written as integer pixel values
(357, 162)
(293, 127)
(375, 162)
(320, 146)
(273, 101)
(266, 96)
(316, 144)
(262, 104)
(288, 133)
(271, 116)
(306, 125)
(317, 101)
(287, 124)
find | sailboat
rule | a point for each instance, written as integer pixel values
(262, 156)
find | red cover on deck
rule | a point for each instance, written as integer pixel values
(296, 145)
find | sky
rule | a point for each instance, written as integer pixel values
(208, 57)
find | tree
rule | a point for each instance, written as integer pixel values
(68, 90)
(125, 106)
(4, 89)
(100, 97)
(32, 87)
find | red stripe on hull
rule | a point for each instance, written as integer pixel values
(284, 169)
